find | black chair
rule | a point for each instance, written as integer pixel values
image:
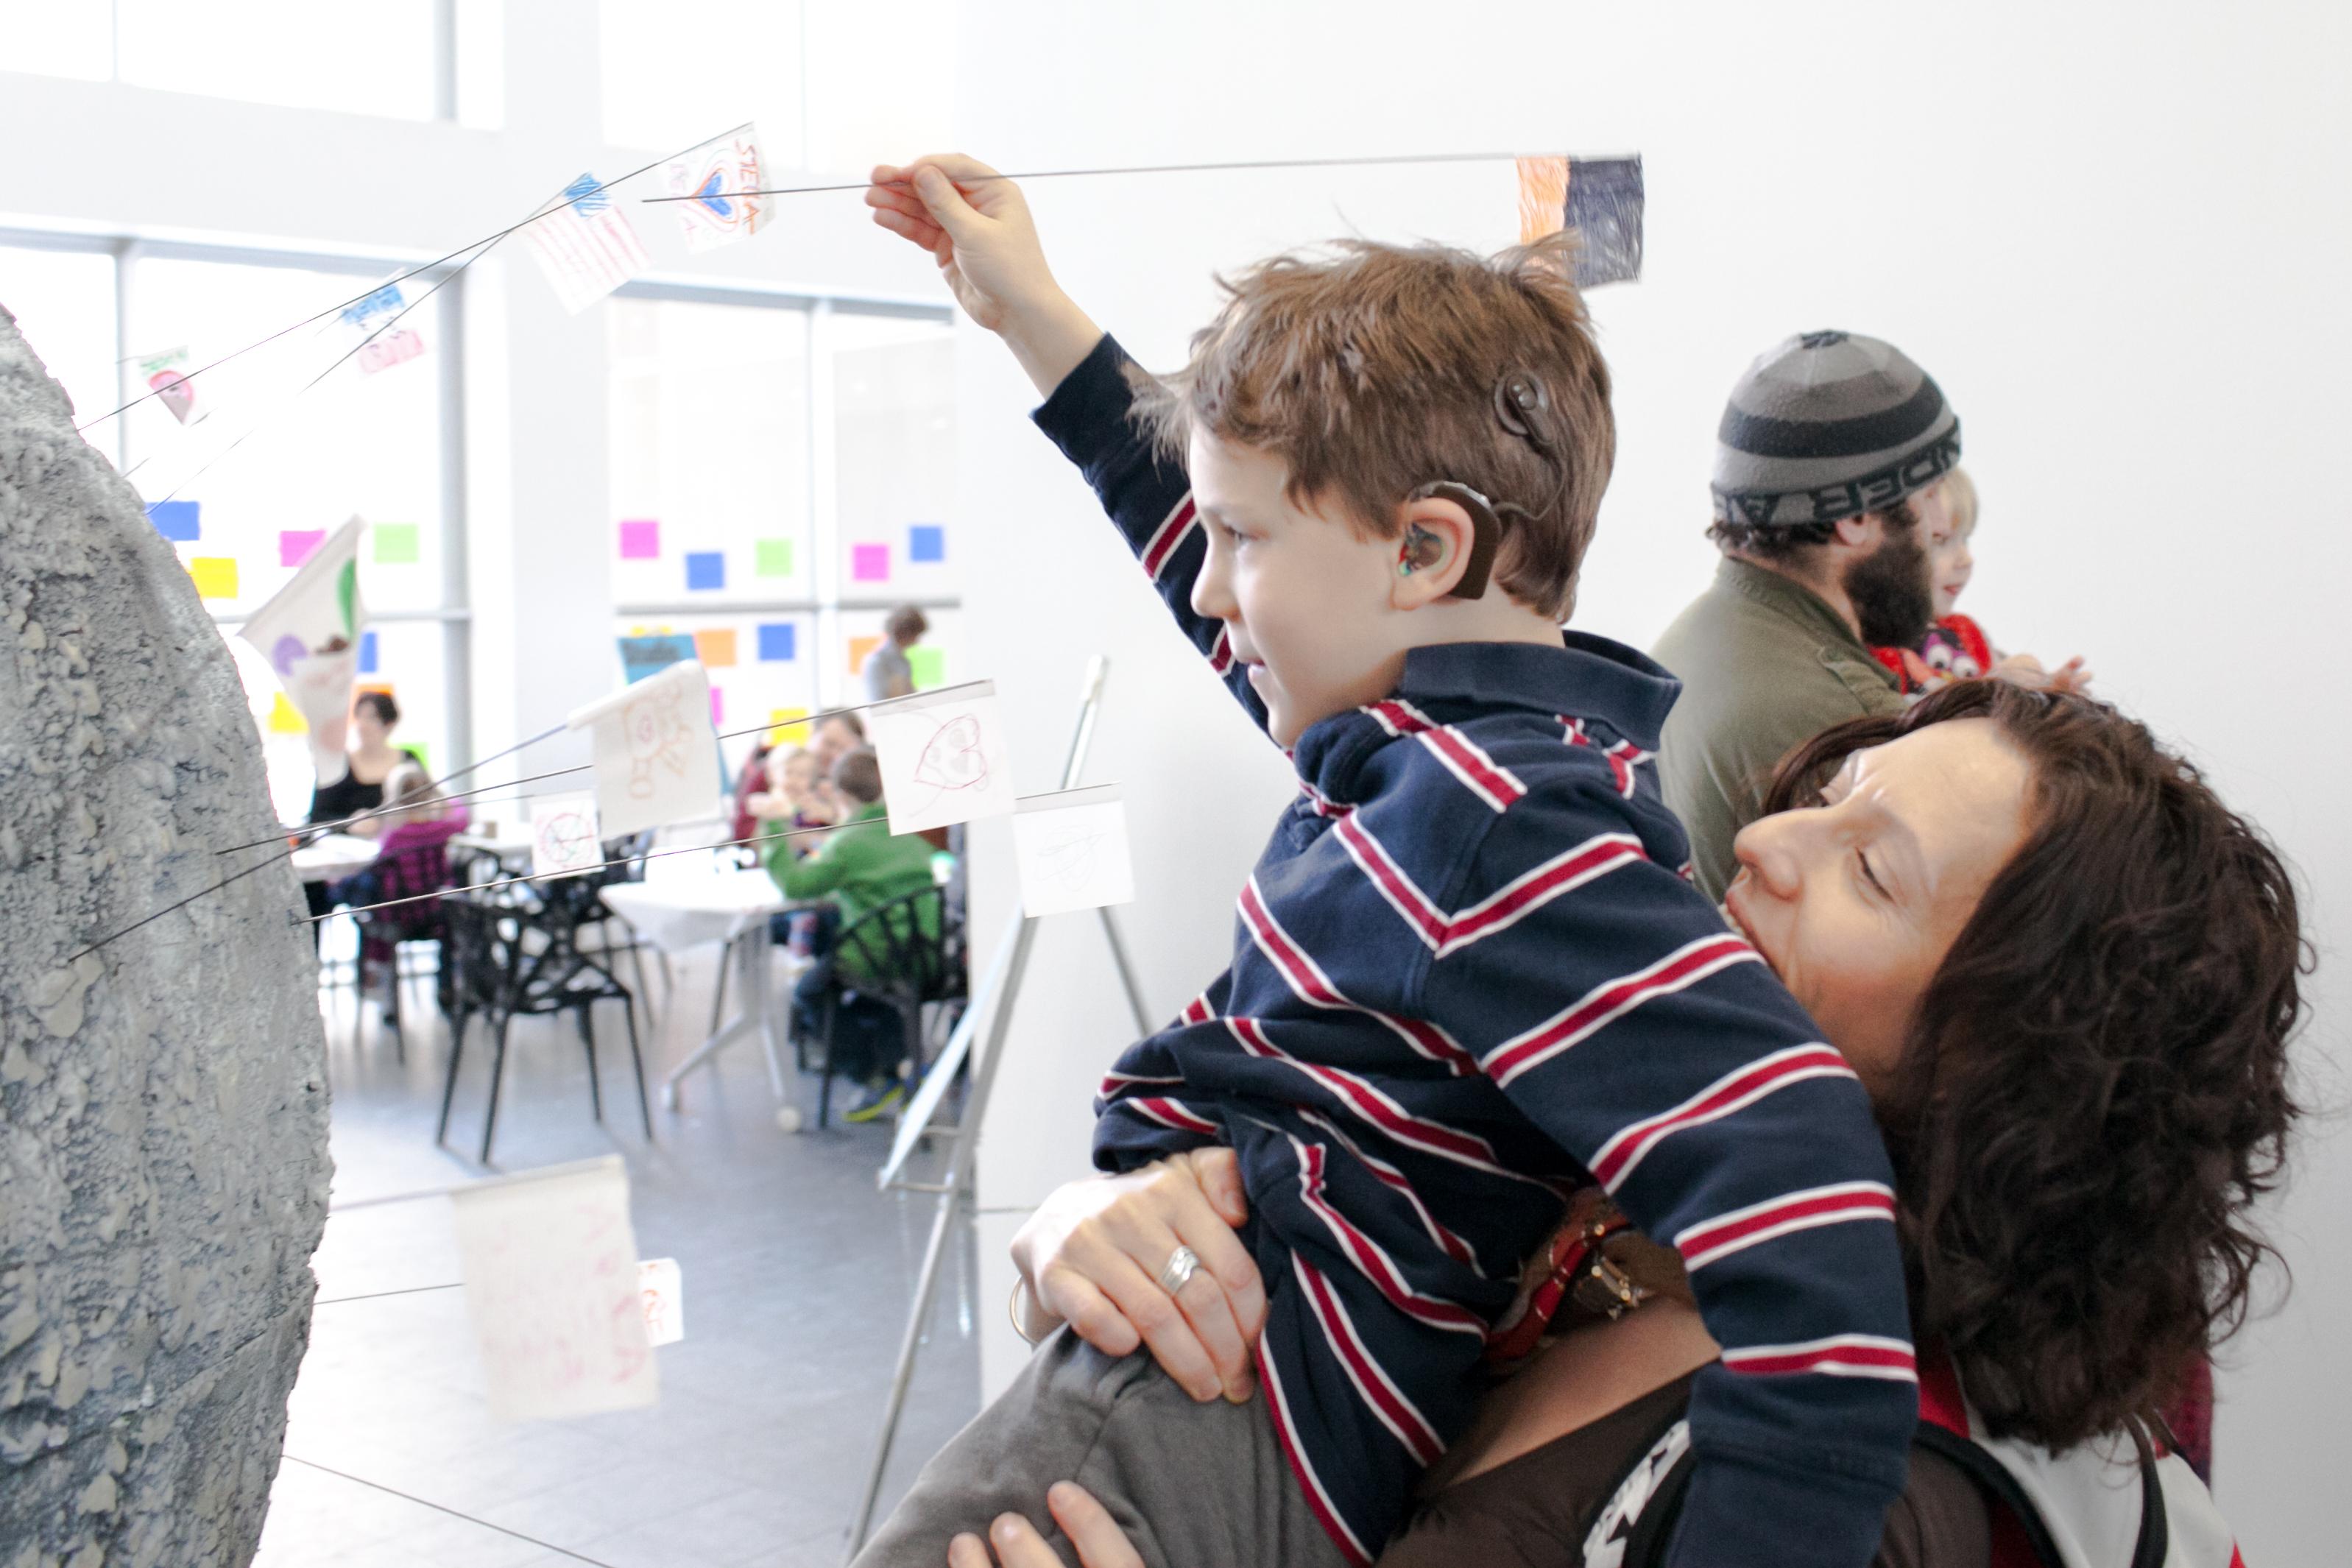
(912, 967)
(518, 957)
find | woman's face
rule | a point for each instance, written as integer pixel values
(369, 730)
(1856, 903)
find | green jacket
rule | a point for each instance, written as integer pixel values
(1765, 665)
(860, 866)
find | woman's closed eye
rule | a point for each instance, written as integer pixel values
(1862, 860)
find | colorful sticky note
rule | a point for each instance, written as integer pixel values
(926, 541)
(927, 667)
(397, 544)
(178, 520)
(791, 727)
(367, 652)
(869, 563)
(715, 648)
(771, 557)
(706, 569)
(858, 648)
(285, 719)
(641, 539)
(216, 577)
(295, 544)
(717, 708)
(779, 641)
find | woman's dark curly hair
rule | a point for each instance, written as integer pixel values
(2095, 1090)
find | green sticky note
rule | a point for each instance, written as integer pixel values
(927, 666)
(397, 544)
(771, 557)
(424, 755)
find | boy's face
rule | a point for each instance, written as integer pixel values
(1307, 604)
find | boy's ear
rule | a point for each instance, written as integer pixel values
(1444, 550)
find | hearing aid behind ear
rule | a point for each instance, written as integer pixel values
(1486, 534)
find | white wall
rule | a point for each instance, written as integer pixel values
(2116, 236)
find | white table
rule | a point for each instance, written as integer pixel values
(730, 906)
(502, 847)
(333, 855)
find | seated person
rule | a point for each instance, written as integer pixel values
(2068, 978)
(1468, 972)
(859, 866)
(413, 830)
(366, 768)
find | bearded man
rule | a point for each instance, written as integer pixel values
(1825, 442)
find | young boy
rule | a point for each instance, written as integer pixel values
(1468, 973)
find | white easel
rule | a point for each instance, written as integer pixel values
(1000, 985)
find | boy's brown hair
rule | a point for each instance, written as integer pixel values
(858, 775)
(1380, 368)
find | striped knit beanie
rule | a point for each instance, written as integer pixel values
(1827, 426)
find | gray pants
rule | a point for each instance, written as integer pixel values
(1196, 1486)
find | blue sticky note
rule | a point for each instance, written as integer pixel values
(367, 652)
(177, 519)
(778, 640)
(706, 569)
(926, 541)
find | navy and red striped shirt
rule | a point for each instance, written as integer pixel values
(1469, 975)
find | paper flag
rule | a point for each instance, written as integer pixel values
(656, 752)
(943, 756)
(716, 175)
(564, 836)
(585, 247)
(167, 378)
(309, 633)
(381, 342)
(1601, 198)
(553, 1290)
(662, 1289)
(1071, 850)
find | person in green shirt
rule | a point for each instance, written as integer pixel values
(1825, 442)
(859, 866)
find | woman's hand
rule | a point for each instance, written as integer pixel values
(976, 225)
(1089, 1526)
(1092, 1253)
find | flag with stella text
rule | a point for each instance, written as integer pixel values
(718, 179)
(309, 633)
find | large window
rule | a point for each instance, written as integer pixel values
(253, 466)
(783, 474)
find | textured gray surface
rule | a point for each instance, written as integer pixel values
(163, 1101)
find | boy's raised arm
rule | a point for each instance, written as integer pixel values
(976, 225)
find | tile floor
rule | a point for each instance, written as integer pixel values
(797, 1276)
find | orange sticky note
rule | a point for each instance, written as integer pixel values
(216, 577)
(285, 719)
(858, 648)
(716, 649)
(790, 726)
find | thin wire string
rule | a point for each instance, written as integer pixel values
(402, 277)
(1143, 169)
(443, 1508)
(546, 734)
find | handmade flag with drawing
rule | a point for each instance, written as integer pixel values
(663, 1289)
(942, 757)
(1070, 848)
(656, 752)
(585, 245)
(375, 325)
(167, 378)
(1601, 198)
(553, 1290)
(563, 839)
(310, 632)
(719, 176)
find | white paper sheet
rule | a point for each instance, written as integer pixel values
(716, 175)
(310, 632)
(587, 249)
(661, 1287)
(943, 756)
(563, 836)
(551, 1287)
(1071, 851)
(656, 752)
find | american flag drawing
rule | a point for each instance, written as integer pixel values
(585, 245)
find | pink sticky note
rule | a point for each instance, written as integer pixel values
(717, 708)
(641, 540)
(869, 563)
(295, 544)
